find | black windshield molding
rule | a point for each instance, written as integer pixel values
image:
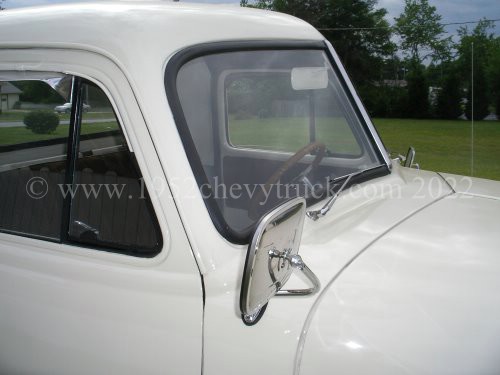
(184, 56)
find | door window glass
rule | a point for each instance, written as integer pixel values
(33, 149)
(110, 205)
(104, 195)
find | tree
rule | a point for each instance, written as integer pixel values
(479, 43)
(421, 32)
(1, 7)
(497, 105)
(260, 4)
(450, 96)
(344, 23)
(494, 74)
(481, 99)
(38, 92)
(358, 31)
(418, 93)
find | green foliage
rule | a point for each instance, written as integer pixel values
(481, 98)
(449, 97)
(385, 101)
(362, 38)
(260, 4)
(418, 93)
(41, 122)
(482, 39)
(481, 44)
(38, 92)
(420, 31)
(494, 74)
(497, 105)
(361, 52)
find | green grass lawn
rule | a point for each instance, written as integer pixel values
(9, 136)
(11, 116)
(291, 134)
(445, 146)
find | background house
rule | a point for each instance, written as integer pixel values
(9, 95)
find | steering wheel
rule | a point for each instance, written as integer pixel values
(291, 162)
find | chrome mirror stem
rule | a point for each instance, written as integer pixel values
(409, 161)
(315, 215)
(296, 262)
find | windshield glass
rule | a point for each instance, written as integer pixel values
(266, 126)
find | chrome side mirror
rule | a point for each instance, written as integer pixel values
(272, 256)
(409, 161)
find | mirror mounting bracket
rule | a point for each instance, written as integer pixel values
(294, 261)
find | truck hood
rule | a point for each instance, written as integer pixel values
(420, 298)
(478, 187)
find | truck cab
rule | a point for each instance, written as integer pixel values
(217, 200)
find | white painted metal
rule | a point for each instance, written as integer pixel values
(65, 309)
(422, 300)
(70, 310)
(473, 185)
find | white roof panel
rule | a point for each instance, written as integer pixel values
(130, 30)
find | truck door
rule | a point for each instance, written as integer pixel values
(96, 273)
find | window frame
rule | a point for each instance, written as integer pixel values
(72, 153)
(178, 60)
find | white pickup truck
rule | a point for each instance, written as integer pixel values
(226, 208)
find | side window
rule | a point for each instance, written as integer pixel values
(96, 198)
(33, 149)
(110, 205)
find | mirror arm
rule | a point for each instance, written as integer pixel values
(297, 263)
(303, 292)
(410, 158)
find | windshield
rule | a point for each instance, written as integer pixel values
(261, 127)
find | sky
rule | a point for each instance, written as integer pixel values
(450, 10)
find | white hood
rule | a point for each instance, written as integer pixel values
(422, 298)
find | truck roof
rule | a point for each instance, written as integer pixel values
(134, 29)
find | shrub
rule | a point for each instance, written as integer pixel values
(41, 122)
